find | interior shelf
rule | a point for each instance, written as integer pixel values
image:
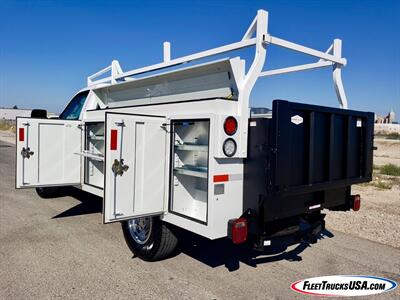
(192, 147)
(96, 138)
(188, 170)
(94, 156)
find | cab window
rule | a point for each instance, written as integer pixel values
(74, 108)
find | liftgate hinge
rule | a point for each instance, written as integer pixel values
(26, 152)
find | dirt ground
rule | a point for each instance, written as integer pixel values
(379, 217)
(7, 136)
(377, 220)
(388, 152)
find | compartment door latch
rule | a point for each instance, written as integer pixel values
(119, 167)
(26, 152)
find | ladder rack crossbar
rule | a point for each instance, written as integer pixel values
(101, 72)
(306, 50)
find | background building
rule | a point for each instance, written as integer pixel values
(12, 114)
(389, 119)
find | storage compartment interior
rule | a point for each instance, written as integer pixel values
(189, 186)
(94, 154)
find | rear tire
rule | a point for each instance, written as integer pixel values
(48, 192)
(149, 238)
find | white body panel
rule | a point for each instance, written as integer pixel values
(141, 142)
(221, 207)
(53, 145)
(93, 190)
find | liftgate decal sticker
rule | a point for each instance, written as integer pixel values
(343, 285)
(296, 119)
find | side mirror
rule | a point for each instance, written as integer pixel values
(39, 114)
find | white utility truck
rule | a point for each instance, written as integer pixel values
(182, 148)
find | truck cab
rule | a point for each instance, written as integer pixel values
(181, 148)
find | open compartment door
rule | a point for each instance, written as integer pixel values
(136, 166)
(47, 152)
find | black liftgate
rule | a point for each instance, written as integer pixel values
(306, 157)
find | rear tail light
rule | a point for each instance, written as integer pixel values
(230, 125)
(237, 230)
(229, 147)
(356, 203)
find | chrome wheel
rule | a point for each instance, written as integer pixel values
(149, 238)
(140, 229)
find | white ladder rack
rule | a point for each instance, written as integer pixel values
(256, 35)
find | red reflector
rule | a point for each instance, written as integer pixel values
(221, 178)
(239, 231)
(21, 134)
(113, 139)
(356, 202)
(230, 125)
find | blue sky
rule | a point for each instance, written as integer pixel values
(48, 48)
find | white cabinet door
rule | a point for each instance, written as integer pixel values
(47, 152)
(136, 169)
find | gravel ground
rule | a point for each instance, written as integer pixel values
(379, 217)
(388, 152)
(377, 220)
(7, 136)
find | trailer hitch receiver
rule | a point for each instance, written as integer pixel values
(119, 167)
